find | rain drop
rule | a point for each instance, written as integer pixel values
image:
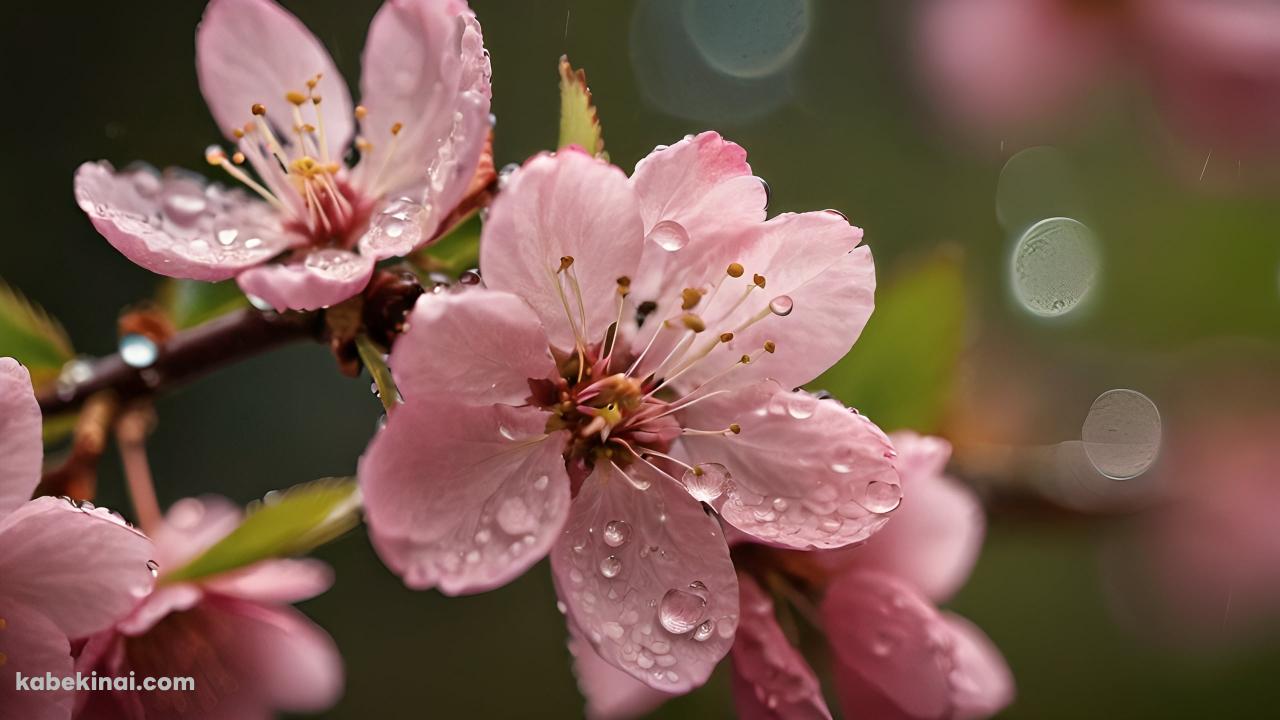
(680, 611)
(610, 566)
(1122, 434)
(706, 481)
(669, 235)
(1054, 266)
(138, 351)
(470, 278)
(153, 567)
(184, 208)
(616, 533)
(882, 497)
(704, 630)
(781, 305)
(801, 405)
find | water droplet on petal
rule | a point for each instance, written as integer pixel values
(183, 207)
(681, 611)
(470, 278)
(610, 566)
(882, 497)
(704, 630)
(153, 567)
(616, 533)
(706, 481)
(506, 432)
(801, 405)
(138, 351)
(669, 235)
(782, 305)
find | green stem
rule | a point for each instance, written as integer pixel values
(371, 356)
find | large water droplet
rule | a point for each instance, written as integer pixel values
(882, 497)
(399, 223)
(1054, 266)
(681, 611)
(669, 235)
(138, 351)
(1122, 434)
(184, 207)
(610, 566)
(514, 517)
(704, 630)
(616, 533)
(706, 481)
(801, 405)
(782, 305)
(470, 278)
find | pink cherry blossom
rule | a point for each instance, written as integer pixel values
(250, 653)
(629, 360)
(1214, 67)
(894, 654)
(66, 570)
(307, 231)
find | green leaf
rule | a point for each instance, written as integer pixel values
(29, 335)
(372, 357)
(579, 122)
(290, 523)
(900, 371)
(191, 302)
(455, 253)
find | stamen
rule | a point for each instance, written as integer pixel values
(733, 429)
(758, 279)
(693, 322)
(386, 158)
(217, 157)
(689, 298)
(735, 270)
(624, 289)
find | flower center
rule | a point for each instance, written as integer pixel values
(624, 416)
(315, 192)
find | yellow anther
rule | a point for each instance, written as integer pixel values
(308, 127)
(566, 262)
(735, 270)
(624, 281)
(315, 99)
(726, 337)
(735, 428)
(237, 132)
(396, 128)
(745, 359)
(611, 414)
(332, 168)
(238, 158)
(361, 112)
(311, 84)
(693, 322)
(258, 109)
(758, 279)
(769, 346)
(215, 156)
(689, 298)
(295, 97)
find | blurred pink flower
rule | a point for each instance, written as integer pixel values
(526, 429)
(895, 654)
(250, 654)
(1214, 67)
(66, 570)
(423, 128)
(1204, 567)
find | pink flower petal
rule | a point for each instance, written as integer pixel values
(464, 498)
(274, 581)
(479, 346)
(83, 568)
(771, 680)
(425, 67)
(177, 225)
(982, 684)
(934, 539)
(567, 204)
(191, 526)
(254, 51)
(33, 646)
(997, 64)
(896, 656)
(611, 694)
(21, 448)
(165, 600)
(805, 473)
(704, 186)
(646, 575)
(818, 279)
(322, 278)
(280, 655)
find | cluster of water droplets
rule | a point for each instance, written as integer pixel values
(88, 508)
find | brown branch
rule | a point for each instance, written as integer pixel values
(187, 356)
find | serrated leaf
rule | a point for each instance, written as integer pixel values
(292, 523)
(579, 122)
(900, 372)
(29, 335)
(455, 253)
(191, 302)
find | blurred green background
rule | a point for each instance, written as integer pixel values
(1189, 273)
